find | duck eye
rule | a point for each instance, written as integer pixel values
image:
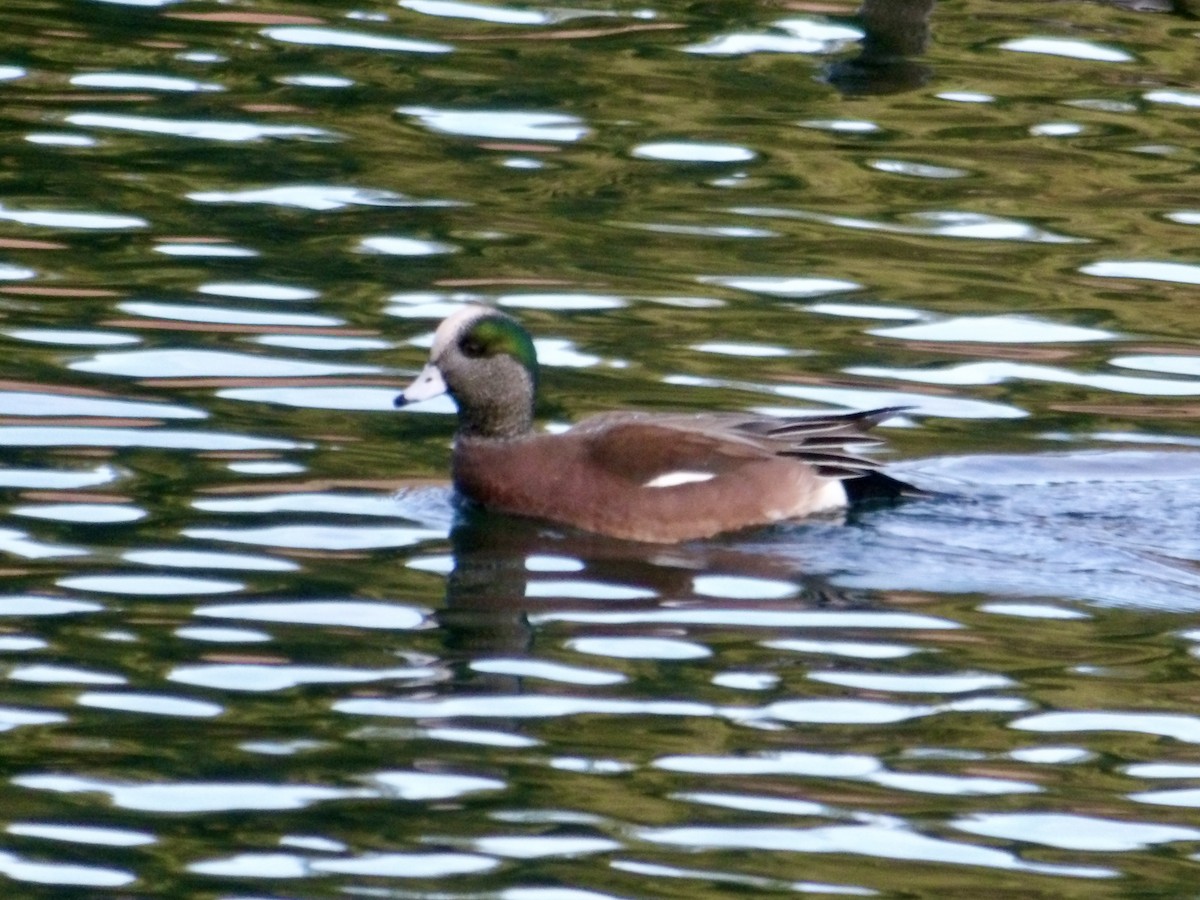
(472, 346)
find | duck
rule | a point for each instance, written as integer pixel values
(661, 478)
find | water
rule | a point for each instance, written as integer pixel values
(250, 646)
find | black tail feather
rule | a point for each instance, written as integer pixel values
(876, 487)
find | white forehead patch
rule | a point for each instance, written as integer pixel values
(674, 479)
(452, 326)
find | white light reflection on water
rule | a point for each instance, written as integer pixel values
(137, 81)
(393, 245)
(995, 330)
(501, 15)
(53, 436)
(1150, 270)
(752, 618)
(149, 585)
(1170, 365)
(692, 152)
(332, 37)
(150, 704)
(639, 648)
(387, 506)
(762, 351)
(225, 315)
(193, 129)
(502, 125)
(347, 613)
(91, 513)
(1173, 97)
(60, 873)
(804, 36)
(999, 371)
(72, 338)
(322, 343)
(917, 170)
(349, 398)
(892, 840)
(1073, 832)
(586, 590)
(935, 223)
(858, 398)
(797, 286)
(196, 797)
(746, 681)
(223, 635)
(405, 785)
(197, 559)
(48, 674)
(741, 587)
(315, 197)
(1172, 725)
(82, 834)
(88, 221)
(44, 606)
(193, 363)
(13, 643)
(317, 81)
(267, 678)
(1075, 49)
(29, 403)
(849, 649)
(959, 683)
(257, 291)
(536, 847)
(708, 876)
(523, 706)
(205, 250)
(549, 671)
(384, 865)
(562, 302)
(1032, 611)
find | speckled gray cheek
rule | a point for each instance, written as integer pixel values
(494, 395)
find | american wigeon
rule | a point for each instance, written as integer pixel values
(641, 476)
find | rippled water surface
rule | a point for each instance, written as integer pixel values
(250, 647)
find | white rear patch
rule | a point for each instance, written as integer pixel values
(832, 495)
(674, 479)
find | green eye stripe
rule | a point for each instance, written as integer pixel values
(496, 335)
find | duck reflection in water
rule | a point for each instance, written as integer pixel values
(894, 32)
(511, 571)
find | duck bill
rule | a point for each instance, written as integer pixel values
(426, 386)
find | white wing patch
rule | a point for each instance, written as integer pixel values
(674, 479)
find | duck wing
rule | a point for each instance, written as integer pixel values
(645, 447)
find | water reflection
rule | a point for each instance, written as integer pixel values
(314, 197)
(937, 223)
(334, 37)
(509, 125)
(788, 36)
(81, 220)
(235, 132)
(1065, 47)
(894, 31)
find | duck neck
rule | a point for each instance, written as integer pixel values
(495, 421)
(494, 399)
